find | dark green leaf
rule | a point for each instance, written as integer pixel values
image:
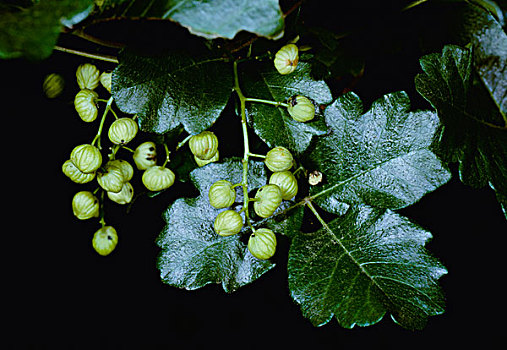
(193, 255)
(173, 89)
(380, 158)
(32, 32)
(362, 265)
(273, 124)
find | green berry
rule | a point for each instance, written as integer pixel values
(202, 163)
(286, 59)
(105, 80)
(301, 109)
(204, 145)
(122, 131)
(85, 205)
(105, 240)
(221, 194)
(111, 178)
(124, 196)
(87, 76)
(145, 155)
(287, 183)
(158, 178)
(267, 199)
(126, 168)
(86, 158)
(84, 103)
(262, 243)
(76, 175)
(53, 85)
(279, 159)
(228, 223)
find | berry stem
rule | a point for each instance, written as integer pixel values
(274, 103)
(101, 126)
(257, 155)
(167, 153)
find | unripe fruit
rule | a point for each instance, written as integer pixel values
(111, 178)
(126, 168)
(86, 158)
(145, 155)
(84, 103)
(124, 196)
(221, 194)
(204, 145)
(286, 59)
(76, 175)
(158, 178)
(279, 159)
(268, 199)
(104, 240)
(262, 243)
(105, 80)
(228, 223)
(301, 109)
(287, 183)
(201, 162)
(122, 131)
(85, 205)
(87, 76)
(53, 85)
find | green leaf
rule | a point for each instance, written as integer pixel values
(471, 106)
(32, 32)
(172, 89)
(193, 255)
(210, 19)
(381, 158)
(273, 124)
(362, 265)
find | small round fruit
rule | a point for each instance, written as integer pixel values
(221, 194)
(262, 243)
(85, 205)
(287, 183)
(126, 168)
(53, 85)
(145, 155)
(228, 223)
(86, 158)
(104, 240)
(204, 145)
(286, 59)
(76, 175)
(301, 109)
(279, 159)
(84, 103)
(124, 196)
(87, 76)
(268, 199)
(122, 131)
(202, 163)
(111, 178)
(158, 178)
(105, 80)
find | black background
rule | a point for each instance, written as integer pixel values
(61, 294)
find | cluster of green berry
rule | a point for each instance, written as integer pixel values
(113, 176)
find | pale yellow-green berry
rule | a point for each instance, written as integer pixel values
(279, 159)
(122, 131)
(86, 158)
(228, 223)
(76, 175)
(85, 205)
(267, 199)
(87, 76)
(262, 243)
(204, 145)
(301, 109)
(105, 240)
(145, 155)
(105, 80)
(126, 168)
(286, 59)
(111, 178)
(287, 183)
(158, 178)
(53, 85)
(84, 103)
(124, 196)
(202, 163)
(221, 194)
